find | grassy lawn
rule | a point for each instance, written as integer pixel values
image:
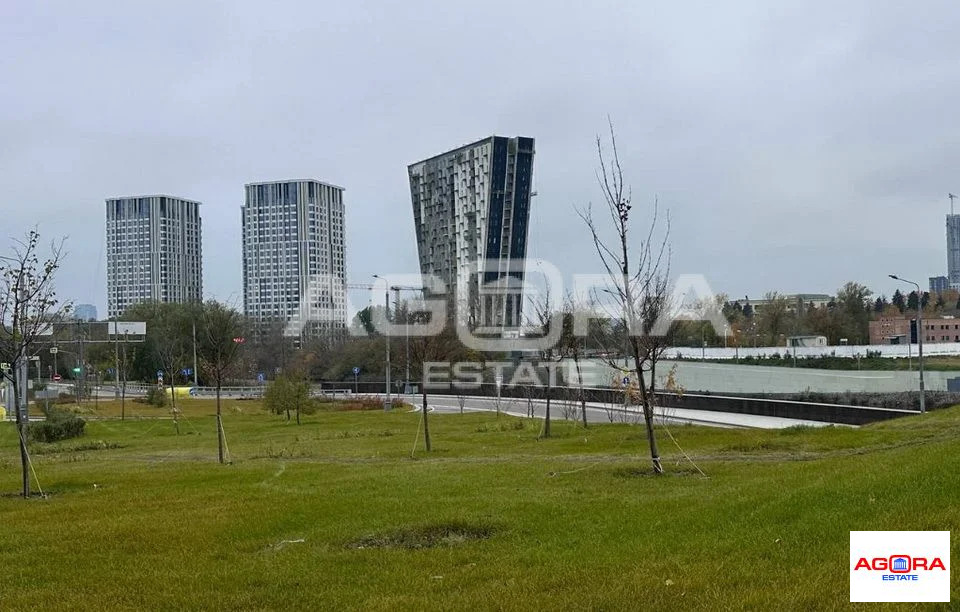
(335, 514)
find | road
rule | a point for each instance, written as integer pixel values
(596, 412)
(607, 413)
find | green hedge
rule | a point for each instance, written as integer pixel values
(59, 425)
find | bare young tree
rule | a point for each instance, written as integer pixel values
(637, 282)
(220, 347)
(172, 346)
(572, 347)
(28, 307)
(424, 348)
(551, 355)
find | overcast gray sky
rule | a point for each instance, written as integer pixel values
(797, 145)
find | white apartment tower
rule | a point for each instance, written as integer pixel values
(471, 208)
(153, 251)
(294, 262)
(953, 251)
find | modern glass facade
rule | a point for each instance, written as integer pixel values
(471, 210)
(153, 251)
(294, 261)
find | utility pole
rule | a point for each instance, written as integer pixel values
(388, 402)
(923, 406)
(116, 358)
(195, 384)
(406, 327)
(123, 391)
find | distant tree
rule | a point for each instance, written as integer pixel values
(879, 305)
(899, 301)
(747, 311)
(913, 301)
(853, 305)
(172, 342)
(285, 393)
(363, 320)
(773, 319)
(925, 299)
(221, 341)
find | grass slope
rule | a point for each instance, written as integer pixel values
(334, 514)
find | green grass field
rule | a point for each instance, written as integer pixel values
(335, 514)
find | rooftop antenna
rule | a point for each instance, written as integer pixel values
(952, 198)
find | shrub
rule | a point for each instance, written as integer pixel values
(59, 425)
(156, 396)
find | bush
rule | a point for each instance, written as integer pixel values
(59, 425)
(156, 396)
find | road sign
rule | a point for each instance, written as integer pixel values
(57, 377)
(76, 370)
(159, 373)
(187, 371)
(54, 350)
(626, 380)
(356, 371)
(261, 377)
(499, 379)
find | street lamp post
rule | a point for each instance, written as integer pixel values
(923, 407)
(406, 327)
(387, 403)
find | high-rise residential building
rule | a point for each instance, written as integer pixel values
(953, 251)
(294, 260)
(153, 251)
(85, 312)
(939, 284)
(471, 208)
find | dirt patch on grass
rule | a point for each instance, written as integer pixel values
(425, 536)
(648, 472)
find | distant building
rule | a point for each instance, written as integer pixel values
(900, 330)
(953, 251)
(804, 341)
(294, 255)
(471, 208)
(795, 301)
(85, 312)
(939, 284)
(153, 251)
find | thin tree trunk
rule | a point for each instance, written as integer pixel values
(426, 425)
(546, 421)
(648, 421)
(22, 433)
(583, 399)
(173, 403)
(219, 426)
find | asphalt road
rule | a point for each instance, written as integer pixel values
(605, 413)
(562, 409)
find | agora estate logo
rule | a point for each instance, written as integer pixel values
(900, 567)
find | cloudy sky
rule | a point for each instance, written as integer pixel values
(797, 145)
